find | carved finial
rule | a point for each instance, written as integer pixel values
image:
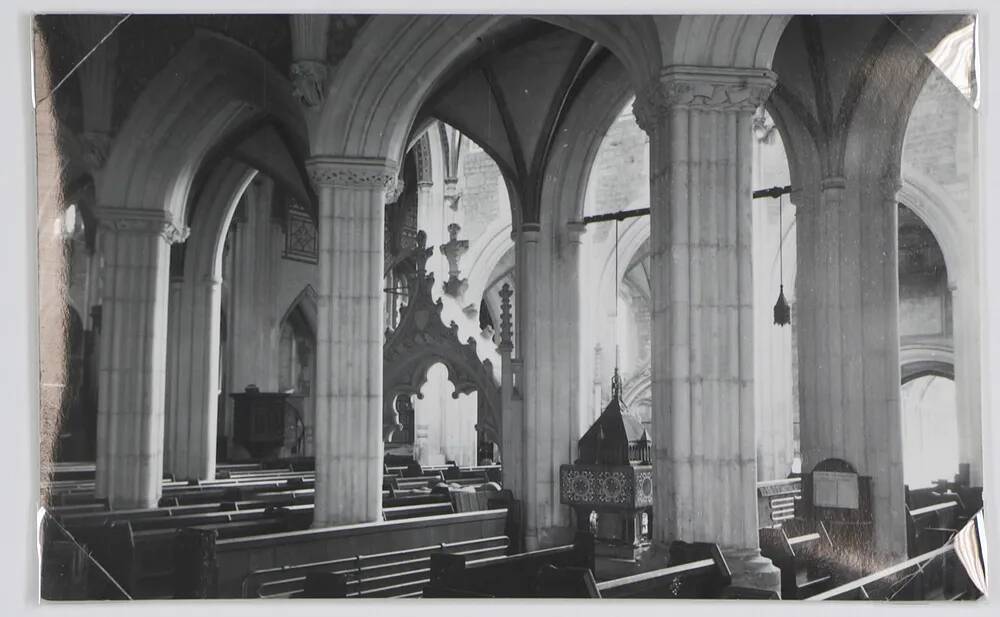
(506, 331)
(453, 250)
(422, 253)
(616, 385)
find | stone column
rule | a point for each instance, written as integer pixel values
(348, 436)
(193, 392)
(571, 300)
(135, 246)
(548, 322)
(968, 392)
(847, 291)
(699, 123)
(530, 476)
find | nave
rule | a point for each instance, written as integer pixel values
(483, 306)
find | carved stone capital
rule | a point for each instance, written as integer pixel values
(707, 88)
(351, 173)
(95, 147)
(142, 221)
(309, 81)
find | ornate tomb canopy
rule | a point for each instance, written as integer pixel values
(422, 340)
(610, 486)
(617, 437)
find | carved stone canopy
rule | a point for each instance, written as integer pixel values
(422, 340)
(453, 251)
(617, 437)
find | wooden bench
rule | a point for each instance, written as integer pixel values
(393, 574)
(511, 576)
(417, 510)
(696, 570)
(208, 566)
(935, 575)
(931, 526)
(144, 561)
(801, 550)
(184, 493)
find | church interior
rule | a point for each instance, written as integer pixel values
(488, 306)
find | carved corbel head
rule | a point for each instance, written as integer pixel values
(95, 147)
(309, 82)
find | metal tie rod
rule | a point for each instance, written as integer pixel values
(621, 215)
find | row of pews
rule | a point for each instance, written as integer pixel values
(485, 568)
(813, 565)
(446, 532)
(90, 551)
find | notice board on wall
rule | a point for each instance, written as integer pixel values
(835, 489)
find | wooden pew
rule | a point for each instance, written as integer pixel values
(935, 575)
(417, 510)
(208, 566)
(143, 556)
(183, 493)
(930, 527)
(696, 570)
(511, 576)
(394, 574)
(144, 561)
(801, 550)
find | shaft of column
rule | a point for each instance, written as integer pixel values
(699, 123)
(348, 437)
(968, 393)
(847, 288)
(136, 250)
(527, 333)
(193, 379)
(548, 321)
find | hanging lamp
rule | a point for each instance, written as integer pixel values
(782, 312)
(616, 380)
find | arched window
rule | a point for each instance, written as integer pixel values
(930, 430)
(297, 372)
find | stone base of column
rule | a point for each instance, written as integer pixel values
(751, 569)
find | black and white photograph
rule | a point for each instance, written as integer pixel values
(483, 305)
